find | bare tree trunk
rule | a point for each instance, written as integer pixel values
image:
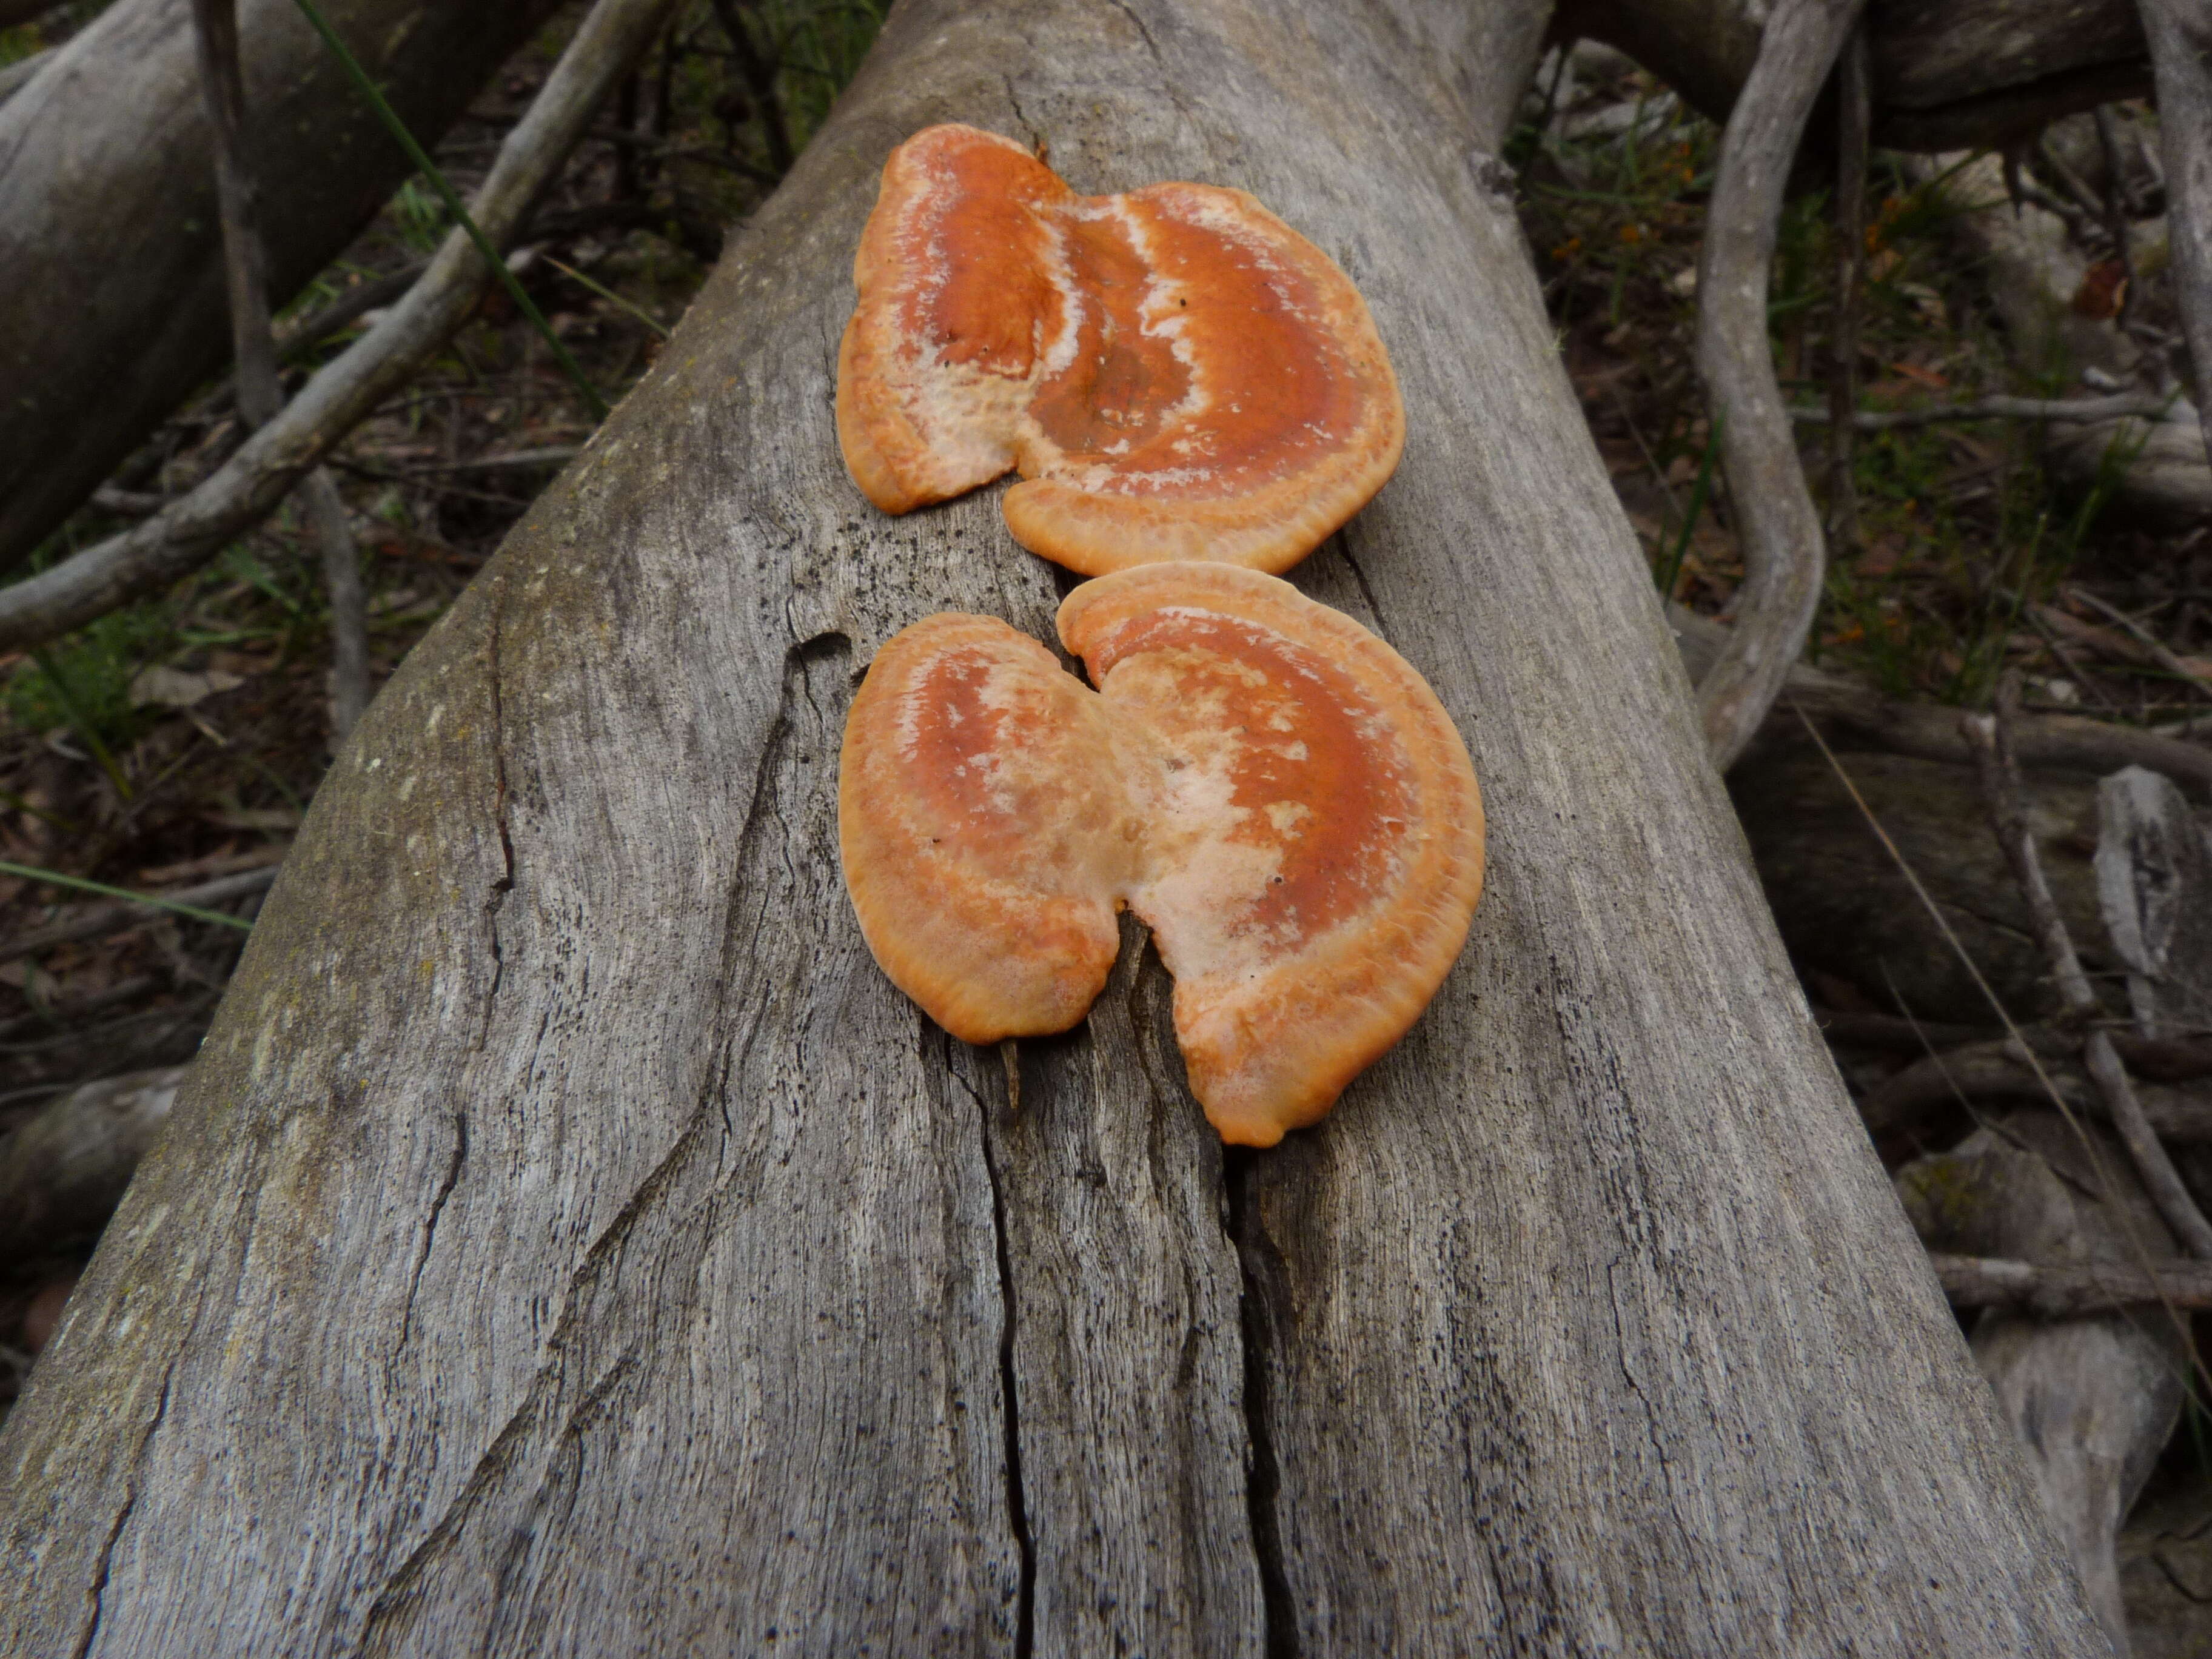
(111, 305)
(571, 1242)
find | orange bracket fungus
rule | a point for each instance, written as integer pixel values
(1176, 373)
(1273, 790)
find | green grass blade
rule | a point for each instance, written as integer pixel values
(609, 295)
(428, 169)
(1671, 572)
(55, 878)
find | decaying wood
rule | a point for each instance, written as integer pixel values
(692, 1288)
(2077, 410)
(110, 276)
(16, 75)
(2033, 272)
(1784, 552)
(1999, 766)
(2093, 1400)
(2068, 1292)
(2154, 870)
(1855, 100)
(62, 1173)
(1947, 74)
(1853, 709)
(97, 921)
(184, 535)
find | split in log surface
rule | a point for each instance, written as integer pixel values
(693, 1286)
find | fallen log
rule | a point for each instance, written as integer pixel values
(111, 306)
(692, 1291)
(63, 1173)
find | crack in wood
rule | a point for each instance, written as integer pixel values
(1017, 1504)
(1263, 1484)
(505, 883)
(98, 1593)
(430, 1225)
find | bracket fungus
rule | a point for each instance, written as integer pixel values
(1272, 789)
(1174, 371)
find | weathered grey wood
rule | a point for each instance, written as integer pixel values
(2154, 869)
(571, 1243)
(62, 1173)
(2002, 1070)
(1948, 74)
(1784, 550)
(111, 259)
(2093, 1399)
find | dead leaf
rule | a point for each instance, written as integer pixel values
(163, 687)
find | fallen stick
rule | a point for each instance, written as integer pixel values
(253, 342)
(2180, 35)
(2000, 1069)
(63, 1173)
(2140, 406)
(2068, 1292)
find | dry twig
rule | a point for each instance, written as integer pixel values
(1782, 549)
(2070, 1292)
(260, 393)
(2000, 1069)
(105, 918)
(2140, 406)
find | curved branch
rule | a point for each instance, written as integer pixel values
(177, 541)
(2181, 60)
(1783, 548)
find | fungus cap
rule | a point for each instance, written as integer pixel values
(1176, 373)
(1273, 790)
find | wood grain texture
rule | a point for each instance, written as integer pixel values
(571, 1243)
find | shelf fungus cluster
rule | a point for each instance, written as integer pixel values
(1174, 371)
(1270, 788)
(1193, 395)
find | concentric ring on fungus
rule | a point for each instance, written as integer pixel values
(1273, 790)
(1174, 371)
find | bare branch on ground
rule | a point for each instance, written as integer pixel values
(2139, 405)
(260, 393)
(2069, 1293)
(1851, 271)
(1779, 529)
(2061, 742)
